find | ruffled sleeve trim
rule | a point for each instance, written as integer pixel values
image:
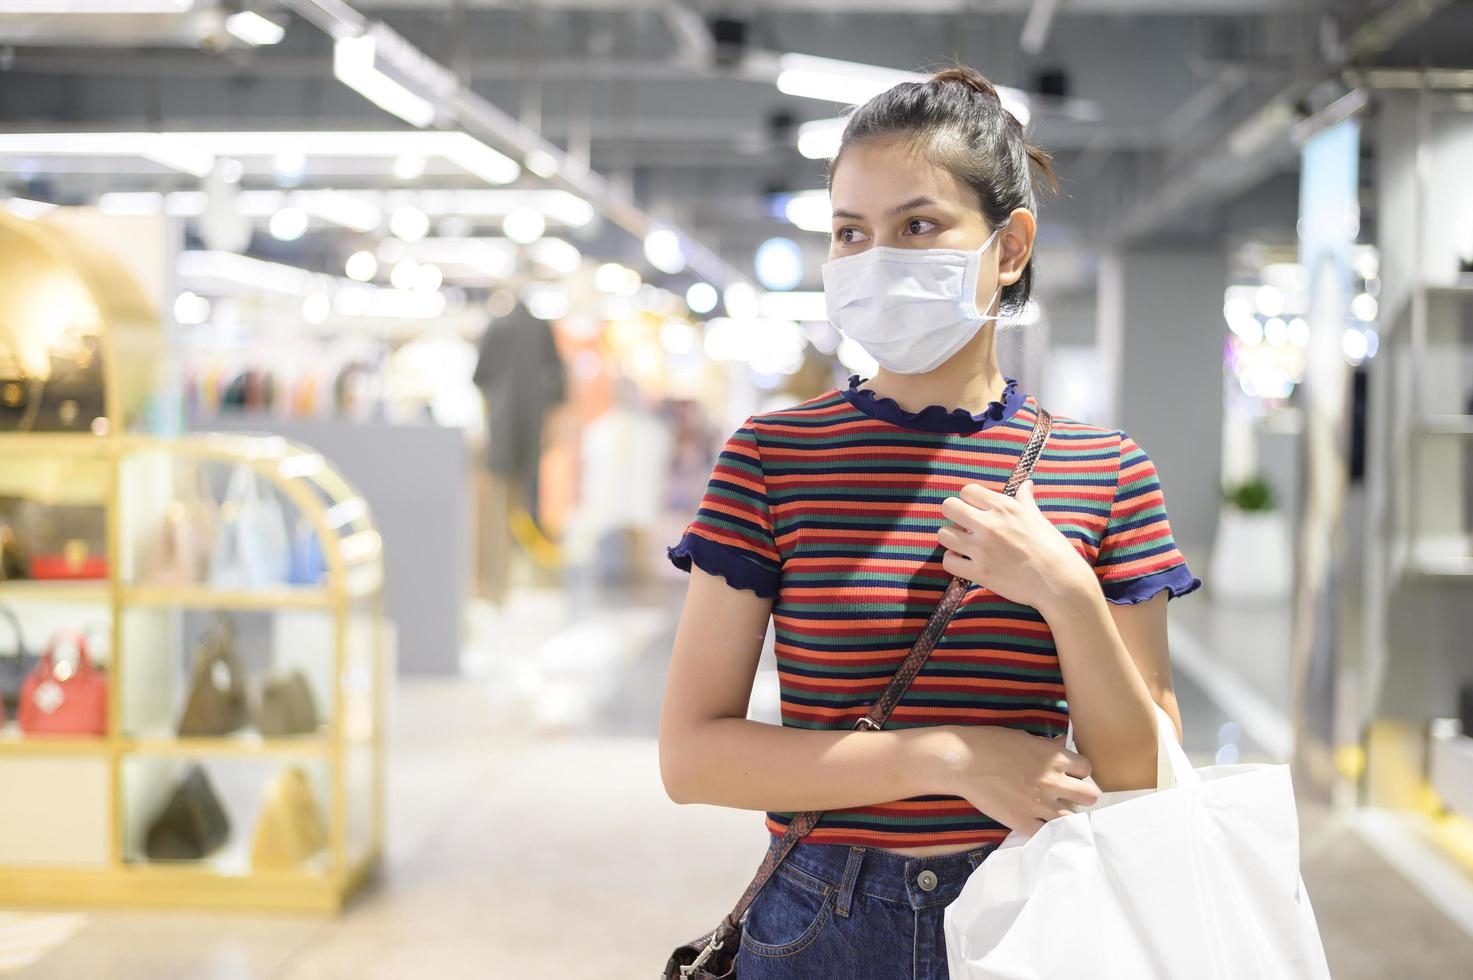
(735, 566)
(1177, 580)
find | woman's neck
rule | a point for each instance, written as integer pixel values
(959, 383)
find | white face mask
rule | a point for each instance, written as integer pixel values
(910, 308)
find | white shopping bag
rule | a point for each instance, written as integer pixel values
(1198, 878)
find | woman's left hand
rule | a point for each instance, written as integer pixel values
(1008, 545)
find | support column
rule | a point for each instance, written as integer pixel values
(1160, 341)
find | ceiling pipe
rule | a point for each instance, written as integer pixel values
(477, 116)
(1035, 28)
(1262, 143)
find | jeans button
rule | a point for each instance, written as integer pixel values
(926, 879)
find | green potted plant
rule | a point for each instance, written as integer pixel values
(1251, 554)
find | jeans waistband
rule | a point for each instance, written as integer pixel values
(886, 875)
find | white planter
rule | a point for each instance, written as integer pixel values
(1252, 558)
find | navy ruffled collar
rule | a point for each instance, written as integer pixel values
(936, 418)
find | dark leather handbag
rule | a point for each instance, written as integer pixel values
(191, 825)
(14, 563)
(219, 701)
(287, 706)
(713, 955)
(20, 400)
(72, 397)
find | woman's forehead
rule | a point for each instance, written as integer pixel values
(875, 176)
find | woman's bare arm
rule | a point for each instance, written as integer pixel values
(710, 752)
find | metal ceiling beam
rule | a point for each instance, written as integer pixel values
(1261, 144)
(1175, 8)
(475, 115)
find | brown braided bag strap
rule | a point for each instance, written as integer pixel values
(802, 823)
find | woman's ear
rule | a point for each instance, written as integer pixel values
(1015, 246)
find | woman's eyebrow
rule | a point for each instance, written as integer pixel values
(915, 202)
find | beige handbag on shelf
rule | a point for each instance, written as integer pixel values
(290, 828)
(184, 538)
(287, 706)
(218, 702)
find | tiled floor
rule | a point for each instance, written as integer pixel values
(529, 841)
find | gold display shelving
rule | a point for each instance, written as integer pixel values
(73, 809)
(352, 598)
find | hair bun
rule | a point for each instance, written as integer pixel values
(971, 78)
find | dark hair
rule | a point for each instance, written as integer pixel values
(957, 118)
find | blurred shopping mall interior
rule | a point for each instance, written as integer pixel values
(359, 360)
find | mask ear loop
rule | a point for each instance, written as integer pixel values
(973, 273)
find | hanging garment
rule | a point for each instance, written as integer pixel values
(522, 376)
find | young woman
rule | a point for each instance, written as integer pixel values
(844, 517)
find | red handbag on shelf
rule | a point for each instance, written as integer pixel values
(64, 698)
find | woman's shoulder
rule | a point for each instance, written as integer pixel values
(1076, 431)
(820, 407)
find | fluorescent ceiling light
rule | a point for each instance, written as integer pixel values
(200, 267)
(95, 6)
(493, 257)
(541, 163)
(833, 80)
(161, 148)
(1035, 27)
(339, 207)
(252, 28)
(356, 209)
(663, 249)
(206, 271)
(353, 213)
(393, 74)
(353, 65)
(810, 211)
(475, 157)
(179, 203)
(819, 139)
(559, 206)
(195, 153)
(851, 82)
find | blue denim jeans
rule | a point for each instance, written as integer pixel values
(853, 913)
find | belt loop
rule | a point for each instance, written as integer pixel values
(851, 875)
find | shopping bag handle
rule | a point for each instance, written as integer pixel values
(1173, 768)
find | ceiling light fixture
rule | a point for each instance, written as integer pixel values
(95, 6)
(852, 82)
(393, 74)
(664, 251)
(195, 152)
(253, 29)
(810, 211)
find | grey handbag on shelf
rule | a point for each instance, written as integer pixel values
(287, 706)
(713, 955)
(219, 701)
(13, 676)
(191, 825)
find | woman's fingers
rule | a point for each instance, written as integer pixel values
(961, 513)
(1085, 792)
(1076, 764)
(955, 539)
(984, 497)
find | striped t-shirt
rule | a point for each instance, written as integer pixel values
(831, 508)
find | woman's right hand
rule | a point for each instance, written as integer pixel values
(1020, 780)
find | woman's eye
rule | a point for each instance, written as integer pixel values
(847, 235)
(911, 226)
